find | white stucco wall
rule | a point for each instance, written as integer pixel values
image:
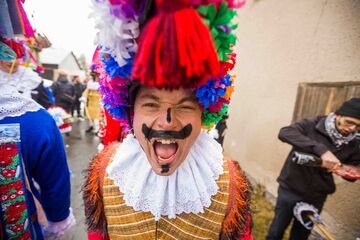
(282, 43)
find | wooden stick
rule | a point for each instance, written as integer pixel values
(322, 228)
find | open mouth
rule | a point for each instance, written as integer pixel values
(165, 150)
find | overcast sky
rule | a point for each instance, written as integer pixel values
(66, 23)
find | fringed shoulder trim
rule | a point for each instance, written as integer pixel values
(92, 189)
(238, 214)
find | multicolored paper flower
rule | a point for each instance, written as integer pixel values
(213, 97)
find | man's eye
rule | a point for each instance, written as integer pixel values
(185, 107)
(151, 105)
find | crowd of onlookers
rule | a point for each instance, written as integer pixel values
(67, 94)
(79, 98)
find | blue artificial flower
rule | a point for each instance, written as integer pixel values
(117, 113)
(210, 93)
(221, 91)
(226, 80)
(113, 69)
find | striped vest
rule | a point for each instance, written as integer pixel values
(123, 222)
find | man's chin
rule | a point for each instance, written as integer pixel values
(158, 170)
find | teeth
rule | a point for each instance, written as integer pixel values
(163, 159)
(165, 141)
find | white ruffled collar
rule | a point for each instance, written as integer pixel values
(187, 190)
(12, 103)
(24, 80)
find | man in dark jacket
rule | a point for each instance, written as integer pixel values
(79, 89)
(331, 140)
(64, 92)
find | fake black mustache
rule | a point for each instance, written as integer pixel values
(151, 133)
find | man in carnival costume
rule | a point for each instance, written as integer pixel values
(31, 148)
(168, 179)
(92, 99)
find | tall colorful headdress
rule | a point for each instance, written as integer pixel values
(166, 44)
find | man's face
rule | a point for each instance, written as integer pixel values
(5, 66)
(166, 123)
(347, 125)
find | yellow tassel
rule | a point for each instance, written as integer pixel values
(12, 68)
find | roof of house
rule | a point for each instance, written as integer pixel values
(56, 56)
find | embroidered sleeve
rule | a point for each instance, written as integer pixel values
(237, 223)
(92, 192)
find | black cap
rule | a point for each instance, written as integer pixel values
(350, 108)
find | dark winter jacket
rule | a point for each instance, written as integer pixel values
(310, 136)
(42, 96)
(64, 93)
(79, 89)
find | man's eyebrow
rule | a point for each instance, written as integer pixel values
(187, 99)
(151, 96)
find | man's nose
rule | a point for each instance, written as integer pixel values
(166, 119)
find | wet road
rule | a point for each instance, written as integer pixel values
(80, 147)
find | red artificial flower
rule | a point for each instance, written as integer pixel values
(229, 65)
(218, 106)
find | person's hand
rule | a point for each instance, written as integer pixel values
(348, 171)
(83, 99)
(330, 161)
(57, 229)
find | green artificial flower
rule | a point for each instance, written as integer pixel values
(211, 118)
(221, 27)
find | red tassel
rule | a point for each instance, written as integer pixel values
(175, 49)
